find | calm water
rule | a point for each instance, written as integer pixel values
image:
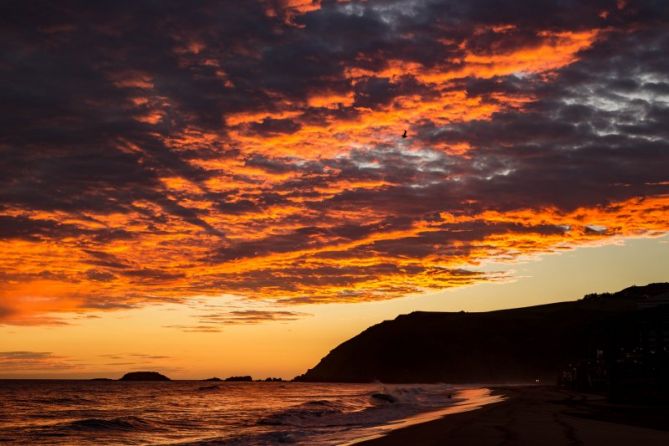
(206, 413)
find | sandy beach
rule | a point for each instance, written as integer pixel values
(538, 415)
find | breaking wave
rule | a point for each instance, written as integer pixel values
(129, 423)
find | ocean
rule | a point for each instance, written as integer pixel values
(198, 413)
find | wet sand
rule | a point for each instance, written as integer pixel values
(538, 415)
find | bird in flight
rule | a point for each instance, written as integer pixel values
(404, 135)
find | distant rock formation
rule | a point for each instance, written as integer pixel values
(213, 379)
(273, 380)
(516, 345)
(144, 376)
(239, 378)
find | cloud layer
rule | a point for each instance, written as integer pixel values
(21, 361)
(153, 152)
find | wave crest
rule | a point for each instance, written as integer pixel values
(111, 424)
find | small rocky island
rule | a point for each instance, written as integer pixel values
(144, 376)
(215, 378)
(245, 378)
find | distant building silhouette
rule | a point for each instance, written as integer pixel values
(629, 360)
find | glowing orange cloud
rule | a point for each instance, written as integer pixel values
(310, 193)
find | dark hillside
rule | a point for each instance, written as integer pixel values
(520, 344)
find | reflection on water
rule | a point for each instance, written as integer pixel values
(198, 413)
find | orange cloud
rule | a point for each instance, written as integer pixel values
(269, 161)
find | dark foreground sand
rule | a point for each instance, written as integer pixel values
(540, 416)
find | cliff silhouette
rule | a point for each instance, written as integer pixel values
(515, 345)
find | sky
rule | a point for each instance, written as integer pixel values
(220, 187)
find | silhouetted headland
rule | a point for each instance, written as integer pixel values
(144, 376)
(101, 379)
(615, 342)
(213, 379)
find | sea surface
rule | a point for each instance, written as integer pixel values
(45, 412)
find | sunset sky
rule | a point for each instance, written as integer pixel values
(222, 187)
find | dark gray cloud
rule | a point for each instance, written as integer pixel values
(269, 126)
(213, 322)
(164, 148)
(251, 316)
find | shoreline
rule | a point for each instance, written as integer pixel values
(464, 400)
(531, 415)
